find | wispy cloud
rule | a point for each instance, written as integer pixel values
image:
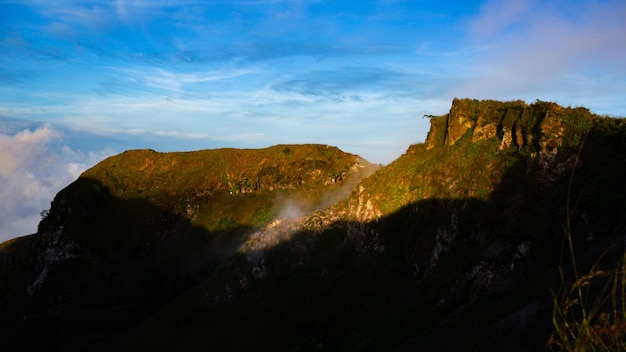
(342, 81)
(553, 49)
(177, 82)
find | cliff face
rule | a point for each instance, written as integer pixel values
(539, 126)
(470, 149)
(456, 245)
(488, 196)
(479, 151)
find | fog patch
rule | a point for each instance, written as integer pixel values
(293, 212)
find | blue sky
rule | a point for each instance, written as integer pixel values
(82, 80)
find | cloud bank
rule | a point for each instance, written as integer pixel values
(34, 166)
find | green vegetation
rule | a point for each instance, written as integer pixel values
(209, 186)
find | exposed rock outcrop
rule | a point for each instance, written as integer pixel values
(515, 123)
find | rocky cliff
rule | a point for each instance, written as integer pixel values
(479, 141)
(492, 195)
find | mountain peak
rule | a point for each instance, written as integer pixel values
(538, 126)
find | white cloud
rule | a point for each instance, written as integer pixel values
(34, 166)
(24, 149)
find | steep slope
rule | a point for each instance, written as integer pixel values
(481, 214)
(462, 243)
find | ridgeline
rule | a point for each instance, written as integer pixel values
(505, 230)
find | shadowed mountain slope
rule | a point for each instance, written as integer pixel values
(140, 228)
(462, 243)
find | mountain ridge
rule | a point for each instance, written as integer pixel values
(457, 244)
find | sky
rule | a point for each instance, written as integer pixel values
(84, 80)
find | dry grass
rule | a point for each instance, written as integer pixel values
(591, 322)
(590, 312)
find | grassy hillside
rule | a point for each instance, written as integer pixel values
(207, 185)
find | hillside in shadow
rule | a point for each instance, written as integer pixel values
(139, 229)
(437, 274)
(402, 266)
(99, 265)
